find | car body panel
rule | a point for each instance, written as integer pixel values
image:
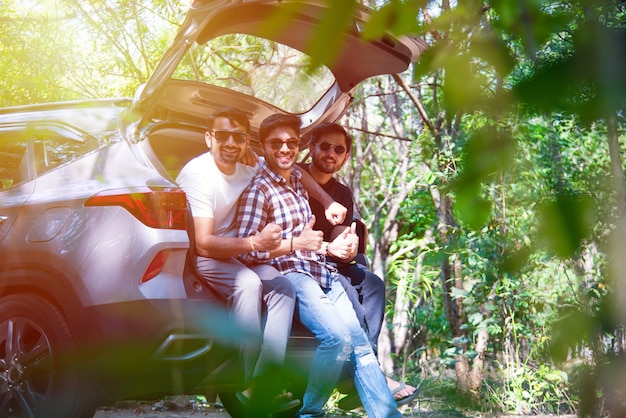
(15, 171)
(12, 201)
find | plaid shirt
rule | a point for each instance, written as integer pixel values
(269, 199)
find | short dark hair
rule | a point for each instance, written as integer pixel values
(276, 120)
(330, 128)
(234, 115)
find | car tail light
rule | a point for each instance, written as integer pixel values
(156, 207)
(155, 266)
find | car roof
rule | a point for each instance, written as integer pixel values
(97, 115)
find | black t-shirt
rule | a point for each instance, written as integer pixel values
(341, 194)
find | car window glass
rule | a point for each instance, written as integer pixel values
(13, 164)
(54, 147)
(257, 67)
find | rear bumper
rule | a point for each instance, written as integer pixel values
(159, 347)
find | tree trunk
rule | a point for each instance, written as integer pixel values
(401, 313)
(478, 364)
(619, 241)
(616, 386)
(451, 276)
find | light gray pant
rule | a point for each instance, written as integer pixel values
(262, 301)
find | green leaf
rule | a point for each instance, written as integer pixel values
(475, 318)
(565, 222)
(462, 89)
(471, 208)
(329, 36)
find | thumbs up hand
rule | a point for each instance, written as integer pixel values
(269, 238)
(309, 239)
(345, 245)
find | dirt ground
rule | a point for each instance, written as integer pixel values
(183, 408)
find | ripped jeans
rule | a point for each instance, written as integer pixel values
(329, 315)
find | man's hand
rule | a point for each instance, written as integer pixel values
(336, 213)
(309, 239)
(268, 239)
(345, 245)
(249, 158)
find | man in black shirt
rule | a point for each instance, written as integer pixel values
(329, 150)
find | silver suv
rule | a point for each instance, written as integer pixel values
(94, 241)
(98, 301)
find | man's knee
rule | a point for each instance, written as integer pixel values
(282, 285)
(336, 339)
(341, 345)
(248, 285)
(273, 281)
(364, 355)
(374, 283)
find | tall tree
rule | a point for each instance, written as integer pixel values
(33, 56)
(566, 55)
(121, 42)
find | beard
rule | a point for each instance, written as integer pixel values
(326, 168)
(229, 156)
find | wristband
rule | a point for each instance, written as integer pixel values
(251, 243)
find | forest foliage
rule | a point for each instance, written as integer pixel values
(490, 176)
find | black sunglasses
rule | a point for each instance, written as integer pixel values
(238, 137)
(325, 146)
(277, 144)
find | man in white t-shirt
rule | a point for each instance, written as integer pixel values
(261, 300)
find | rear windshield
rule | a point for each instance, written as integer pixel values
(257, 67)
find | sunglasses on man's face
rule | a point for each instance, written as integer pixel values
(325, 146)
(238, 136)
(277, 144)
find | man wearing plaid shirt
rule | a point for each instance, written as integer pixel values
(277, 196)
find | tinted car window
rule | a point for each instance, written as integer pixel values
(55, 146)
(13, 164)
(267, 70)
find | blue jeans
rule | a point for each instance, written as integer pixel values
(329, 315)
(367, 294)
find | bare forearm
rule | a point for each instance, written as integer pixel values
(287, 246)
(223, 247)
(309, 240)
(335, 212)
(315, 190)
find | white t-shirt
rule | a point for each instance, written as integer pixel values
(213, 194)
